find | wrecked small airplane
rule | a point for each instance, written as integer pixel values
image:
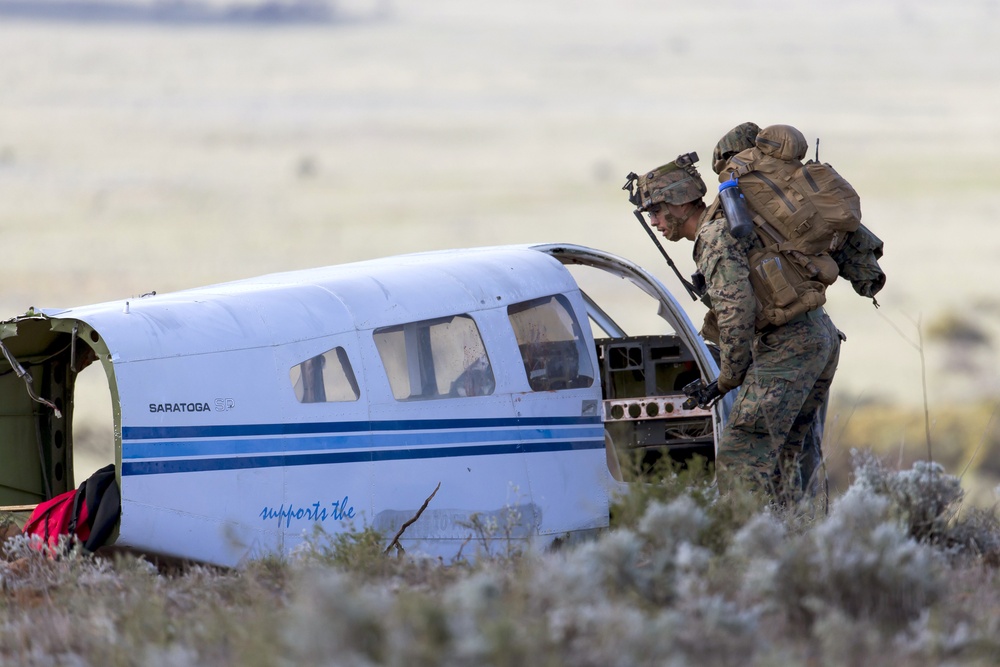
(248, 412)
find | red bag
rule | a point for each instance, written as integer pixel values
(62, 515)
(89, 514)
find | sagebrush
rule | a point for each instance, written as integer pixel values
(897, 573)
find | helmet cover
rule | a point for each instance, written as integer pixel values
(736, 140)
(676, 182)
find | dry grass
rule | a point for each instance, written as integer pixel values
(966, 441)
(685, 581)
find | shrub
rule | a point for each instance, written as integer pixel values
(955, 329)
(357, 551)
(661, 483)
(709, 630)
(976, 533)
(333, 615)
(859, 562)
(668, 481)
(924, 499)
(693, 579)
(927, 503)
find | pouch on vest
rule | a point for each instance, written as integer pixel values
(710, 327)
(782, 289)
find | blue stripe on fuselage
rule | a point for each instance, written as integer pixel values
(260, 446)
(239, 430)
(235, 446)
(326, 458)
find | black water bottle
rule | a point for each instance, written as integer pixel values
(735, 207)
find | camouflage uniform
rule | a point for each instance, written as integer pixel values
(784, 372)
(858, 262)
(772, 437)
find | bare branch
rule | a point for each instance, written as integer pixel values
(411, 521)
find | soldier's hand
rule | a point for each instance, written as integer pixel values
(727, 384)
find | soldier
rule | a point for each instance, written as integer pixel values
(735, 141)
(783, 372)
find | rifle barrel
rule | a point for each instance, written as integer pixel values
(687, 285)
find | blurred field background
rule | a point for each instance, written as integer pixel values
(140, 155)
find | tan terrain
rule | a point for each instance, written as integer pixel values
(137, 156)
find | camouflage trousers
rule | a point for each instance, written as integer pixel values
(771, 438)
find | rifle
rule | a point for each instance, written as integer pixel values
(691, 289)
(700, 394)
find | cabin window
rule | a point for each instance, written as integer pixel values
(552, 346)
(325, 378)
(440, 358)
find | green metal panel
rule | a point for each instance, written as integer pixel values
(35, 442)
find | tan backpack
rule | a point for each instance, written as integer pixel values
(802, 213)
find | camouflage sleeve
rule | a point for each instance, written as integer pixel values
(722, 259)
(858, 259)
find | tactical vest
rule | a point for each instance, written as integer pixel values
(802, 213)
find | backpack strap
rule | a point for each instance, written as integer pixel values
(743, 170)
(45, 521)
(767, 232)
(741, 164)
(712, 212)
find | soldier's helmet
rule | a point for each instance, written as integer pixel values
(676, 182)
(736, 140)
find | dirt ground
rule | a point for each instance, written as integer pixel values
(139, 156)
